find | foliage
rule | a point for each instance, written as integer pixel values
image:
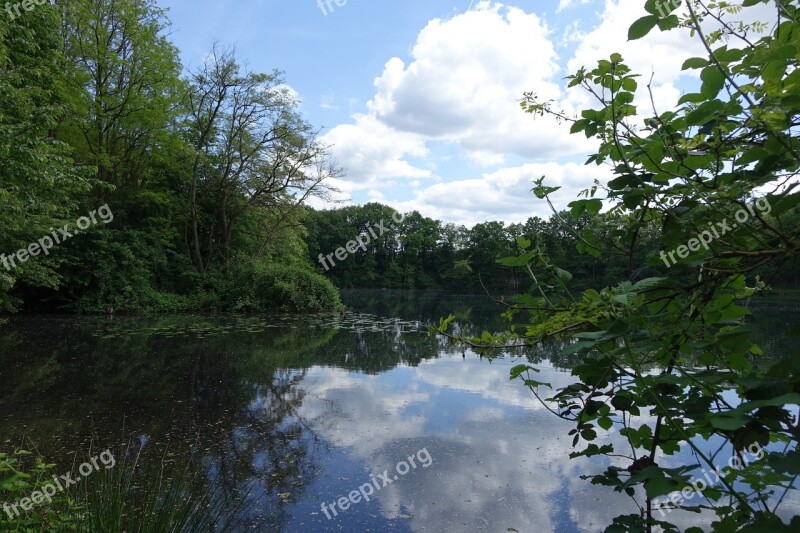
(136, 497)
(21, 473)
(39, 185)
(667, 359)
(197, 169)
(258, 287)
(422, 252)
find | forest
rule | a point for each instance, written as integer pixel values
(423, 253)
(206, 173)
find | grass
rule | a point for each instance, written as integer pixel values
(132, 496)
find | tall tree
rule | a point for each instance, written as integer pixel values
(125, 75)
(39, 185)
(253, 155)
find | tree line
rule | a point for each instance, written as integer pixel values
(425, 253)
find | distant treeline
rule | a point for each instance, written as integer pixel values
(423, 253)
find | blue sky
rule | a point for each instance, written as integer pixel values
(419, 98)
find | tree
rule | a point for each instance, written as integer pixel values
(93, 111)
(489, 241)
(39, 185)
(667, 359)
(252, 153)
(124, 76)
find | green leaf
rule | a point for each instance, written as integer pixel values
(563, 274)
(668, 23)
(594, 205)
(729, 421)
(642, 27)
(578, 346)
(713, 82)
(517, 370)
(516, 261)
(629, 84)
(647, 283)
(542, 192)
(691, 98)
(622, 402)
(652, 6)
(579, 125)
(657, 484)
(694, 62)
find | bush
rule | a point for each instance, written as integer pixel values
(241, 285)
(297, 289)
(260, 287)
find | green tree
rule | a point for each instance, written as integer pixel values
(489, 241)
(39, 185)
(124, 76)
(94, 111)
(254, 155)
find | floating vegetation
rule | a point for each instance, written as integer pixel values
(207, 326)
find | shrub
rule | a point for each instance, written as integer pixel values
(260, 287)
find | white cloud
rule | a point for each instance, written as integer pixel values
(566, 4)
(504, 194)
(464, 82)
(458, 95)
(371, 151)
(462, 88)
(660, 52)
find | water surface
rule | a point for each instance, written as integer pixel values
(300, 411)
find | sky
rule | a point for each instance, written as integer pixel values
(419, 100)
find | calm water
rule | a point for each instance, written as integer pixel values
(302, 411)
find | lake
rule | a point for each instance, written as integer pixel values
(298, 412)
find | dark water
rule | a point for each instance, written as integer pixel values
(301, 411)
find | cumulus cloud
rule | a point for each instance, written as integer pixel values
(504, 194)
(461, 87)
(465, 80)
(372, 151)
(457, 95)
(660, 54)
